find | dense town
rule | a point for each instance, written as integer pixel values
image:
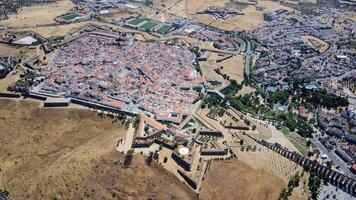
(295, 45)
(119, 71)
(168, 83)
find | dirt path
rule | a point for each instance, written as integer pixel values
(127, 143)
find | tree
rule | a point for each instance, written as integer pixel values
(284, 194)
(308, 143)
(291, 124)
(136, 121)
(304, 129)
(148, 2)
(253, 127)
(165, 159)
(221, 112)
(241, 142)
(128, 158)
(279, 97)
(314, 184)
(146, 128)
(149, 159)
(329, 164)
(312, 121)
(156, 155)
(294, 182)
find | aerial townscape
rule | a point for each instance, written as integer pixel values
(178, 99)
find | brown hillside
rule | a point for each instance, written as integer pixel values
(69, 154)
(234, 179)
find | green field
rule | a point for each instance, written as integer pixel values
(165, 29)
(148, 25)
(136, 21)
(71, 16)
(298, 141)
(285, 130)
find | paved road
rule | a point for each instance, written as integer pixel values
(248, 58)
(218, 90)
(333, 157)
(242, 48)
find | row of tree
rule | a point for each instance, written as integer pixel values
(293, 183)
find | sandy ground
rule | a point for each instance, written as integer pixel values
(8, 80)
(195, 6)
(245, 90)
(208, 67)
(233, 179)
(276, 165)
(250, 20)
(277, 136)
(234, 67)
(176, 7)
(316, 43)
(7, 50)
(69, 154)
(38, 14)
(271, 6)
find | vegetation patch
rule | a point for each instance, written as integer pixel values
(136, 21)
(149, 25)
(165, 29)
(71, 17)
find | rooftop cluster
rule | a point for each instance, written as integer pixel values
(296, 45)
(219, 12)
(120, 71)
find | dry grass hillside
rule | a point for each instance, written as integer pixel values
(234, 179)
(40, 14)
(69, 154)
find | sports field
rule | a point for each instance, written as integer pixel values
(136, 21)
(165, 29)
(148, 25)
(71, 16)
